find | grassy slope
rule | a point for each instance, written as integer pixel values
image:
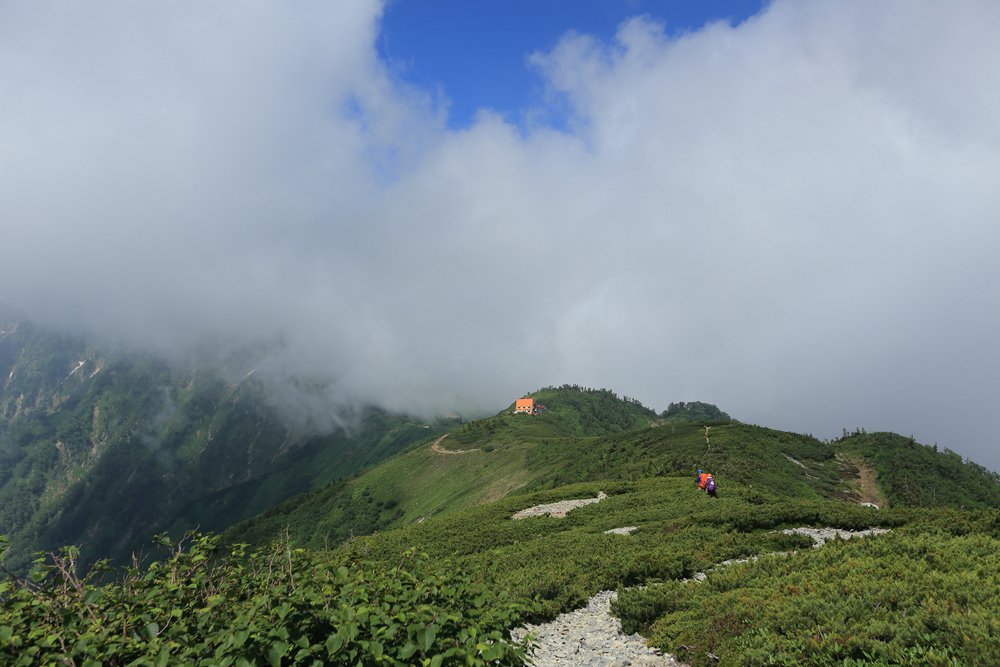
(567, 560)
(768, 480)
(906, 597)
(766, 613)
(518, 454)
(681, 531)
(421, 482)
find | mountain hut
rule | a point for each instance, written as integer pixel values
(525, 405)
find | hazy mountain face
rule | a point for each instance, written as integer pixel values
(105, 448)
(793, 217)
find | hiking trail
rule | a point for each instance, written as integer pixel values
(866, 491)
(592, 637)
(436, 446)
(558, 509)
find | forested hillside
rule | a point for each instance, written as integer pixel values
(694, 411)
(917, 475)
(104, 448)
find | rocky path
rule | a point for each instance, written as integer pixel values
(558, 509)
(590, 637)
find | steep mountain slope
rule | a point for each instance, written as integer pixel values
(105, 448)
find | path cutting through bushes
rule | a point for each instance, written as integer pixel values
(592, 637)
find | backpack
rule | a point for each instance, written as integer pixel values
(711, 484)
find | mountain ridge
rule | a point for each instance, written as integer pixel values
(104, 448)
(508, 454)
(426, 563)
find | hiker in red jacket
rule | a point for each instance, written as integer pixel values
(705, 482)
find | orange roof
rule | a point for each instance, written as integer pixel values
(524, 403)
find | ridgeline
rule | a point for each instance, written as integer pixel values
(417, 559)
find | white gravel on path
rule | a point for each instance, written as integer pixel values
(558, 509)
(590, 637)
(821, 536)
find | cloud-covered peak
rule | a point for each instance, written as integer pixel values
(793, 217)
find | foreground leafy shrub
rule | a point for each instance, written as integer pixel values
(273, 606)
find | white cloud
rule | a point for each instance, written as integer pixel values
(794, 217)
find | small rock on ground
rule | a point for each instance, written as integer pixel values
(625, 530)
(820, 536)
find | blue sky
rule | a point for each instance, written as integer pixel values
(475, 52)
(792, 216)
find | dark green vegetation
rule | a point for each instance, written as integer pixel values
(104, 449)
(917, 596)
(565, 561)
(768, 480)
(694, 411)
(924, 593)
(346, 584)
(267, 607)
(517, 454)
(503, 453)
(919, 476)
(743, 613)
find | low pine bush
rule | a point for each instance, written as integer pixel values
(902, 598)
